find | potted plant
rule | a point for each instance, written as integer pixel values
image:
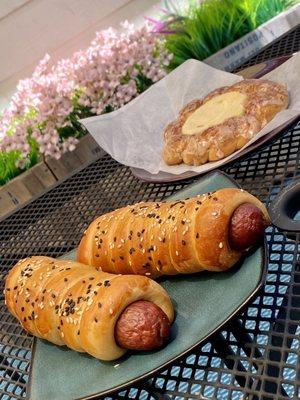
(223, 33)
(41, 124)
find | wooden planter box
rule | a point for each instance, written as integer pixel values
(45, 175)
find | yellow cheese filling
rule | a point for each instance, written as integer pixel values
(214, 112)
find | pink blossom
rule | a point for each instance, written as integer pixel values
(106, 75)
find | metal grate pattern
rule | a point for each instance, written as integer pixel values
(255, 357)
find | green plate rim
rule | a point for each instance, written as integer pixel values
(263, 250)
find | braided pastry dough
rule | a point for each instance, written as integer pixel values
(228, 118)
(70, 303)
(166, 238)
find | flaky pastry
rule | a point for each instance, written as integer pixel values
(212, 128)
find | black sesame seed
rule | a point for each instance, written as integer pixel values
(99, 305)
(197, 236)
(66, 279)
(53, 295)
(183, 242)
(95, 319)
(22, 309)
(106, 283)
(91, 278)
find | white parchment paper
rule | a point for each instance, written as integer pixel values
(133, 135)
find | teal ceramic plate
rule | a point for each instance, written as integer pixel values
(203, 303)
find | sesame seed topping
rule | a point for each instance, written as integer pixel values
(221, 245)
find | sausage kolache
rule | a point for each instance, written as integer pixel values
(68, 303)
(208, 232)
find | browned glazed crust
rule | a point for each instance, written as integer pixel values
(264, 100)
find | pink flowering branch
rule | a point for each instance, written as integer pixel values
(44, 112)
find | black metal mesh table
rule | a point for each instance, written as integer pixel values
(255, 356)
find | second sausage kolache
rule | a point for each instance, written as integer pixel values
(68, 303)
(208, 232)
